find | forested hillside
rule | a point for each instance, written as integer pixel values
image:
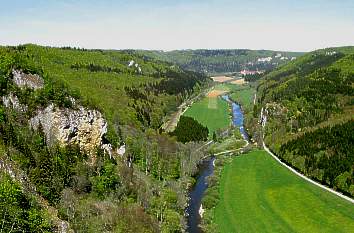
(81, 128)
(308, 112)
(224, 60)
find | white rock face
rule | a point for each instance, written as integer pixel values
(330, 53)
(121, 150)
(11, 101)
(83, 127)
(27, 80)
(264, 59)
(131, 63)
(201, 211)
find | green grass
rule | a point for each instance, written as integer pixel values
(228, 144)
(230, 87)
(244, 96)
(210, 112)
(259, 195)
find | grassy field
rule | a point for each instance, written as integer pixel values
(244, 96)
(228, 144)
(211, 112)
(259, 195)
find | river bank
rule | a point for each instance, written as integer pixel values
(195, 208)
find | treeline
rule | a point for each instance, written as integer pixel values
(253, 77)
(325, 154)
(100, 68)
(180, 82)
(95, 68)
(172, 82)
(220, 60)
(189, 129)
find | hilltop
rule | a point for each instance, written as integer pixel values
(221, 61)
(81, 144)
(307, 110)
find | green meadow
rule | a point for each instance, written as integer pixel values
(257, 194)
(212, 112)
(244, 96)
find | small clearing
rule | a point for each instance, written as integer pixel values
(239, 81)
(216, 93)
(221, 79)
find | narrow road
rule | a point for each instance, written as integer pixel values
(306, 178)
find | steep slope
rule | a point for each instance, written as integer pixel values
(83, 126)
(307, 108)
(224, 60)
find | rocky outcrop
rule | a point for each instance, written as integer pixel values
(11, 101)
(80, 126)
(23, 80)
(121, 150)
(83, 127)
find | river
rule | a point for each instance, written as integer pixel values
(206, 169)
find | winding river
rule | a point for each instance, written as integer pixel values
(206, 169)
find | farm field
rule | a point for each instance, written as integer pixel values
(259, 195)
(221, 79)
(211, 111)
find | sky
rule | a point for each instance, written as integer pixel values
(291, 25)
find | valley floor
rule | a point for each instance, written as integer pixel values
(257, 194)
(211, 112)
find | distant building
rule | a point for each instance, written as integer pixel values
(250, 72)
(264, 59)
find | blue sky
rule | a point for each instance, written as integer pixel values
(259, 24)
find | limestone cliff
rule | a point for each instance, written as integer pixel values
(80, 126)
(32, 81)
(83, 127)
(11, 101)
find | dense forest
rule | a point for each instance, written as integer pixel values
(188, 129)
(309, 109)
(223, 60)
(325, 154)
(141, 190)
